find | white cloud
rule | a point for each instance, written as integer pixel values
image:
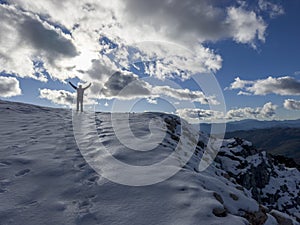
(195, 115)
(60, 97)
(246, 25)
(152, 101)
(184, 94)
(197, 21)
(165, 60)
(265, 112)
(291, 104)
(93, 38)
(127, 86)
(185, 20)
(239, 84)
(244, 93)
(273, 9)
(67, 41)
(9, 87)
(268, 110)
(25, 39)
(281, 86)
(38, 32)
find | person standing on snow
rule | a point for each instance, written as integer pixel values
(80, 92)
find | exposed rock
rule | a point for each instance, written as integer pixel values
(226, 175)
(201, 144)
(254, 170)
(281, 219)
(256, 218)
(234, 197)
(218, 197)
(172, 123)
(288, 162)
(241, 188)
(220, 212)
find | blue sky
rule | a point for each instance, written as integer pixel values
(88, 41)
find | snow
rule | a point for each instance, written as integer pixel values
(270, 220)
(45, 178)
(284, 182)
(283, 215)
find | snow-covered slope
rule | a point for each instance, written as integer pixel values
(44, 178)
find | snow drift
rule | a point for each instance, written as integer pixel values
(45, 178)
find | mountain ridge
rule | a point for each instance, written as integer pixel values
(251, 124)
(45, 177)
(277, 140)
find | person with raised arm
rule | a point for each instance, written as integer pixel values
(80, 93)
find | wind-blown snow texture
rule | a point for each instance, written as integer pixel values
(45, 180)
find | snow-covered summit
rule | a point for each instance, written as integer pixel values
(45, 178)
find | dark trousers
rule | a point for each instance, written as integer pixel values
(79, 102)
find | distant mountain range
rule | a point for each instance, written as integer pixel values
(250, 124)
(277, 140)
(275, 137)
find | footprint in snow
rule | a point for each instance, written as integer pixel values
(93, 179)
(82, 165)
(2, 190)
(4, 163)
(22, 172)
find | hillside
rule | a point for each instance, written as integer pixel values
(277, 141)
(45, 178)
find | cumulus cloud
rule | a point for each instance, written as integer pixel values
(189, 20)
(239, 84)
(93, 38)
(246, 25)
(268, 110)
(25, 39)
(197, 20)
(101, 69)
(165, 60)
(244, 93)
(265, 112)
(184, 94)
(60, 97)
(152, 101)
(46, 40)
(127, 85)
(9, 87)
(281, 86)
(181, 19)
(67, 41)
(196, 115)
(291, 104)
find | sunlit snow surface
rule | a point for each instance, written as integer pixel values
(44, 178)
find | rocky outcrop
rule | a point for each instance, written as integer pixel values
(281, 218)
(257, 218)
(267, 178)
(220, 212)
